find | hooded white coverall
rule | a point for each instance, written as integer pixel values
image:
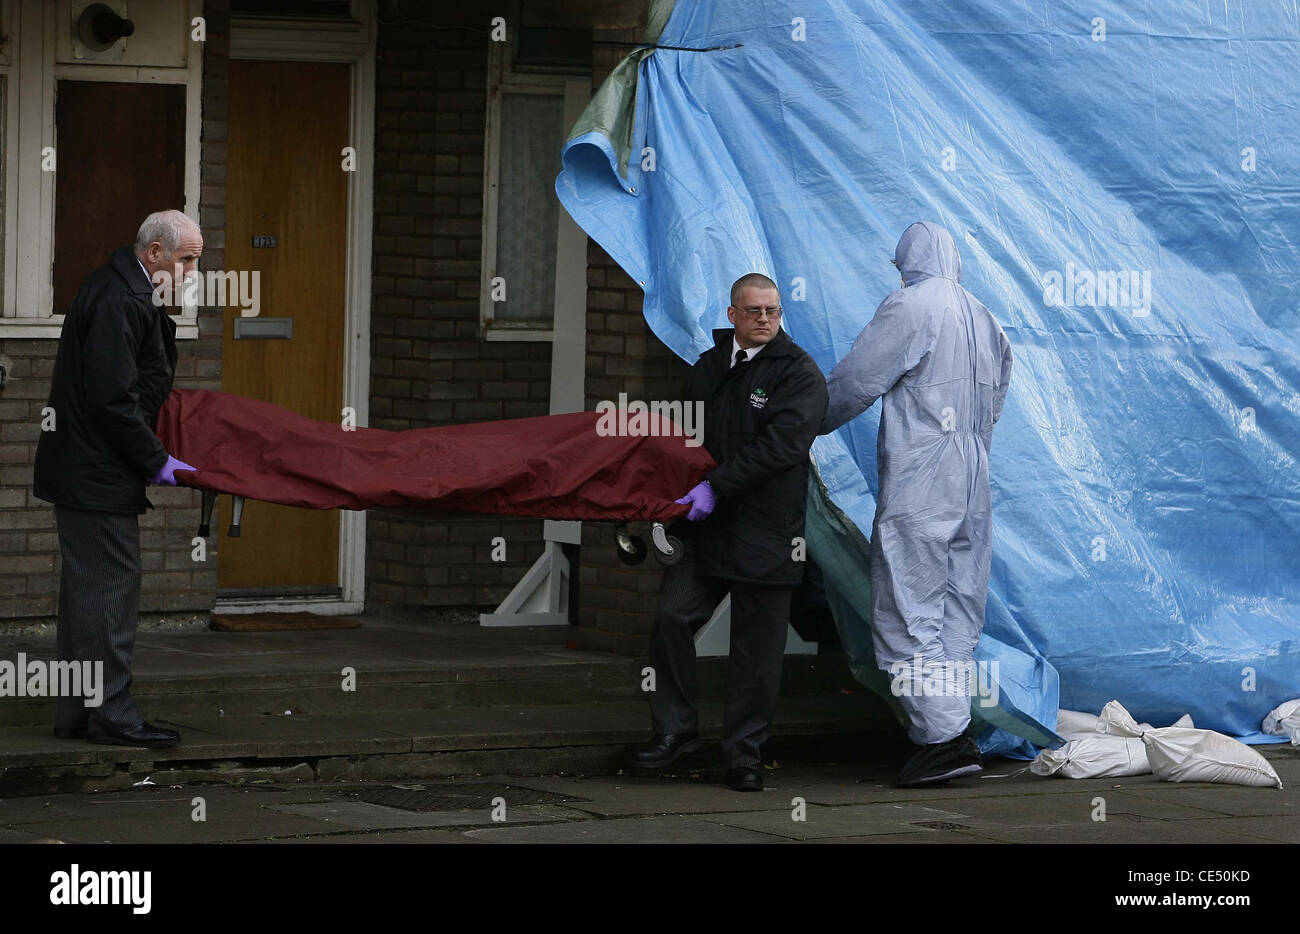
(943, 365)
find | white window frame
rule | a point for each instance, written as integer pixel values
(575, 92)
(29, 192)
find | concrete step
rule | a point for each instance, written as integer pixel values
(552, 681)
(589, 738)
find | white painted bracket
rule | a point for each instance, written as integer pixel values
(541, 598)
(714, 638)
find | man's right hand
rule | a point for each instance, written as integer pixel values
(167, 476)
(701, 499)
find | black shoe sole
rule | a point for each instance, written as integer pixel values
(682, 750)
(119, 741)
(737, 786)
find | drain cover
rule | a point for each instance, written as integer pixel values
(463, 797)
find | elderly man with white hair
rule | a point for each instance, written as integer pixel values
(116, 360)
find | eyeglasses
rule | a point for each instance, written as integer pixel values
(756, 311)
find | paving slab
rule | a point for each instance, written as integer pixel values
(161, 813)
(14, 812)
(844, 821)
(850, 786)
(1121, 830)
(22, 836)
(1053, 810)
(628, 795)
(359, 815)
(1256, 829)
(171, 822)
(379, 836)
(1236, 800)
(641, 809)
(940, 837)
(625, 830)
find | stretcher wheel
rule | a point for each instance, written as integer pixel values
(631, 549)
(668, 548)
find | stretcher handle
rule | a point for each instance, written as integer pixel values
(236, 514)
(205, 513)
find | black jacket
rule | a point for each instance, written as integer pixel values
(760, 419)
(116, 360)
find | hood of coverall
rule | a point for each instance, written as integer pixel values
(927, 250)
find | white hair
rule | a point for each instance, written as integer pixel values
(165, 227)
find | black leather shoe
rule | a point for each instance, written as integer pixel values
(664, 749)
(70, 732)
(146, 735)
(938, 763)
(744, 780)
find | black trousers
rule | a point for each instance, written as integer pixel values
(99, 608)
(759, 617)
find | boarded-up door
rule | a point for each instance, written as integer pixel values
(285, 180)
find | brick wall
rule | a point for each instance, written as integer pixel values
(28, 543)
(428, 365)
(29, 548)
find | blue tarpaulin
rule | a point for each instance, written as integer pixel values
(1122, 183)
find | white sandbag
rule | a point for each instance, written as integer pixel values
(1183, 754)
(1072, 724)
(1284, 720)
(1095, 756)
(1106, 724)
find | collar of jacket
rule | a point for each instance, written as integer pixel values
(779, 346)
(128, 267)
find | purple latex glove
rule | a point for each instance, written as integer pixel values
(167, 475)
(701, 499)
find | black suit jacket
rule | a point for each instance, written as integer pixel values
(114, 370)
(760, 419)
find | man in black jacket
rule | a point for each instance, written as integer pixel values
(764, 399)
(116, 359)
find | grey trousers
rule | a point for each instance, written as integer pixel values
(99, 607)
(759, 617)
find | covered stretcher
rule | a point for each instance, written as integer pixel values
(553, 467)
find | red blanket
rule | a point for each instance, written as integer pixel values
(553, 467)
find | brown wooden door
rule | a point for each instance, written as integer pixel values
(284, 179)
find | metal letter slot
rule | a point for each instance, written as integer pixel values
(263, 328)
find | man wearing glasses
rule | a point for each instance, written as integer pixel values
(764, 399)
